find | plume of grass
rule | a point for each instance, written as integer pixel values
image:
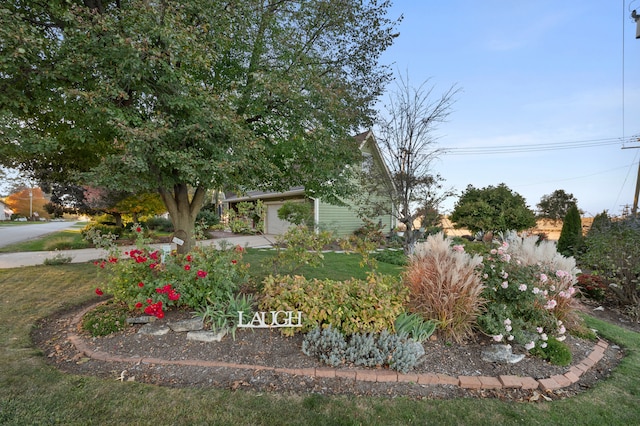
(445, 287)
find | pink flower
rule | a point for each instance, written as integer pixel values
(543, 278)
(522, 287)
(504, 284)
(498, 337)
(551, 304)
(187, 267)
(458, 248)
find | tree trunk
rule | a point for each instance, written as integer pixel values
(183, 212)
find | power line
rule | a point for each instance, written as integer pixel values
(514, 149)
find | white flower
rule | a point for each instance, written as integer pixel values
(544, 336)
(510, 338)
(543, 345)
(529, 346)
(504, 284)
(543, 278)
(507, 327)
(498, 338)
(522, 287)
(551, 304)
(561, 338)
(562, 330)
(539, 329)
(507, 322)
(504, 274)
(535, 290)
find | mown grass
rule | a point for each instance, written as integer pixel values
(31, 392)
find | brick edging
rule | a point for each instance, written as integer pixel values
(557, 381)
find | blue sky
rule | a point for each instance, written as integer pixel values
(542, 73)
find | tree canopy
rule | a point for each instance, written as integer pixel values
(556, 205)
(492, 209)
(182, 96)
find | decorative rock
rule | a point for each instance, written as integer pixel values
(192, 324)
(154, 330)
(144, 319)
(501, 353)
(206, 336)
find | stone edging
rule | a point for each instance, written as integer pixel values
(554, 382)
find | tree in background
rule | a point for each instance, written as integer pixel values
(555, 206)
(571, 239)
(28, 202)
(407, 140)
(492, 209)
(182, 96)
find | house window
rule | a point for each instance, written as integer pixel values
(367, 162)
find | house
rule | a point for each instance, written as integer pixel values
(5, 211)
(342, 220)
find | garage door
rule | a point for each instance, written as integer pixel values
(273, 224)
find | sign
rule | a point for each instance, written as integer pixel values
(178, 241)
(272, 319)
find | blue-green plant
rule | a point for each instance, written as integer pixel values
(414, 326)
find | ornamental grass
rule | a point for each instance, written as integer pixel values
(444, 287)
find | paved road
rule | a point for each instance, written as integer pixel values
(18, 233)
(16, 260)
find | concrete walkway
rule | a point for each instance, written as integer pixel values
(30, 258)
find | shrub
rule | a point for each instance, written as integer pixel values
(394, 257)
(362, 349)
(570, 241)
(58, 259)
(298, 213)
(106, 319)
(159, 224)
(150, 280)
(208, 215)
(371, 231)
(556, 352)
(94, 227)
(299, 246)
(444, 287)
(612, 252)
(528, 300)
(592, 286)
(351, 306)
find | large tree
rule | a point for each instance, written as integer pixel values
(405, 132)
(555, 206)
(492, 209)
(182, 96)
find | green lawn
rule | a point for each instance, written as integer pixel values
(32, 392)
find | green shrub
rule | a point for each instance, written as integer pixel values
(612, 252)
(529, 298)
(57, 259)
(149, 280)
(556, 352)
(159, 224)
(352, 306)
(208, 217)
(570, 241)
(444, 287)
(371, 231)
(93, 227)
(299, 246)
(106, 319)
(394, 257)
(298, 213)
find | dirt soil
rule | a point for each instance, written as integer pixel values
(269, 348)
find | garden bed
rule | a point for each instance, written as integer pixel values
(268, 348)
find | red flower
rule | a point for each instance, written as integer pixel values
(152, 265)
(113, 260)
(99, 292)
(187, 267)
(201, 273)
(189, 258)
(234, 261)
(173, 295)
(154, 255)
(239, 249)
(140, 284)
(138, 305)
(138, 230)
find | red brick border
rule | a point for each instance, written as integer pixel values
(554, 382)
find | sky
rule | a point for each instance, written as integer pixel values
(554, 83)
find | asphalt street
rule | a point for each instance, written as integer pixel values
(28, 231)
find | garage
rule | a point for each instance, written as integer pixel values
(273, 224)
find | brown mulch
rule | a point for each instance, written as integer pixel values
(269, 348)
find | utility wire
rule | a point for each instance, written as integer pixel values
(511, 149)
